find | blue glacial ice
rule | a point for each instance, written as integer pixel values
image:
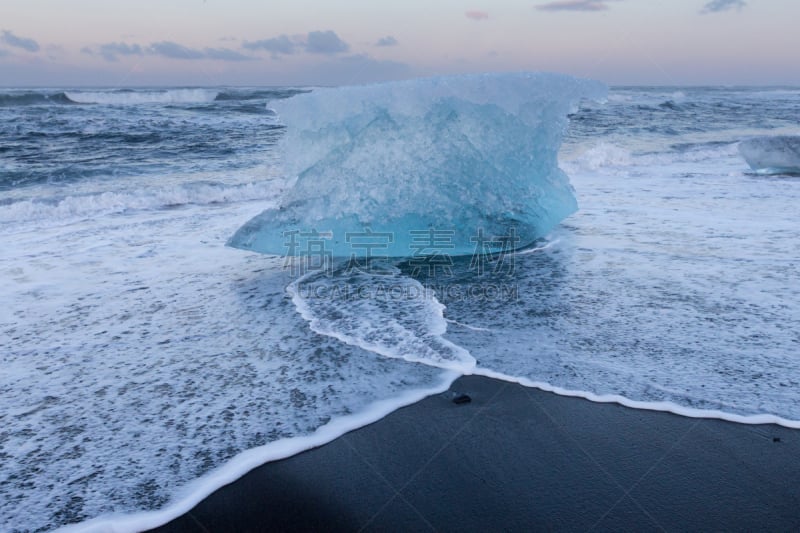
(779, 154)
(466, 160)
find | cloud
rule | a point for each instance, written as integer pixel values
(174, 50)
(225, 54)
(575, 5)
(314, 42)
(477, 15)
(3, 52)
(715, 6)
(281, 44)
(386, 41)
(19, 42)
(325, 42)
(111, 51)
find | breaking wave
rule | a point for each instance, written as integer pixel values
(129, 97)
(33, 98)
(77, 207)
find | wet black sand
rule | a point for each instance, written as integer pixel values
(518, 459)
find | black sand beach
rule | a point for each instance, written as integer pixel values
(519, 459)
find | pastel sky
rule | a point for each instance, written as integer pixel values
(325, 42)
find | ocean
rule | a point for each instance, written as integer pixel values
(145, 363)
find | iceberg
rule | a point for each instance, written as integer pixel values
(779, 154)
(453, 165)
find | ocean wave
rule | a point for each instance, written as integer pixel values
(393, 315)
(129, 97)
(193, 493)
(719, 147)
(777, 92)
(258, 94)
(692, 153)
(34, 98)
(78, 207)
(606, 156)
(602, 155)
(151, 96)
(246, 107)
(384, 313)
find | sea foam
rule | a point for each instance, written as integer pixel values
(381, 312)
(59, 210)
(171, 96)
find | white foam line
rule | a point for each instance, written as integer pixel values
(668, 407)
(473, 328)
(246, 461)
(314, 323)
(297, 300)
(197, 490)
(538, 248)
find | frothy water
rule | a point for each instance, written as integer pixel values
(146, 364)
(384, 313)
(141, 354)
(123, 97)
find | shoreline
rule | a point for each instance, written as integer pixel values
(197, 491)
(658, 407)
(519, 457)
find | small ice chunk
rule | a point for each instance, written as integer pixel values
(778, 154)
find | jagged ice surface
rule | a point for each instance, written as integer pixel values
(460, 153)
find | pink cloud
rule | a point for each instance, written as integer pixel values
(575, 5)
(477, 15)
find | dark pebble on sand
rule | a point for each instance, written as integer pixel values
(461, 398)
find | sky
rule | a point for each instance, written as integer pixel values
(59, 43)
